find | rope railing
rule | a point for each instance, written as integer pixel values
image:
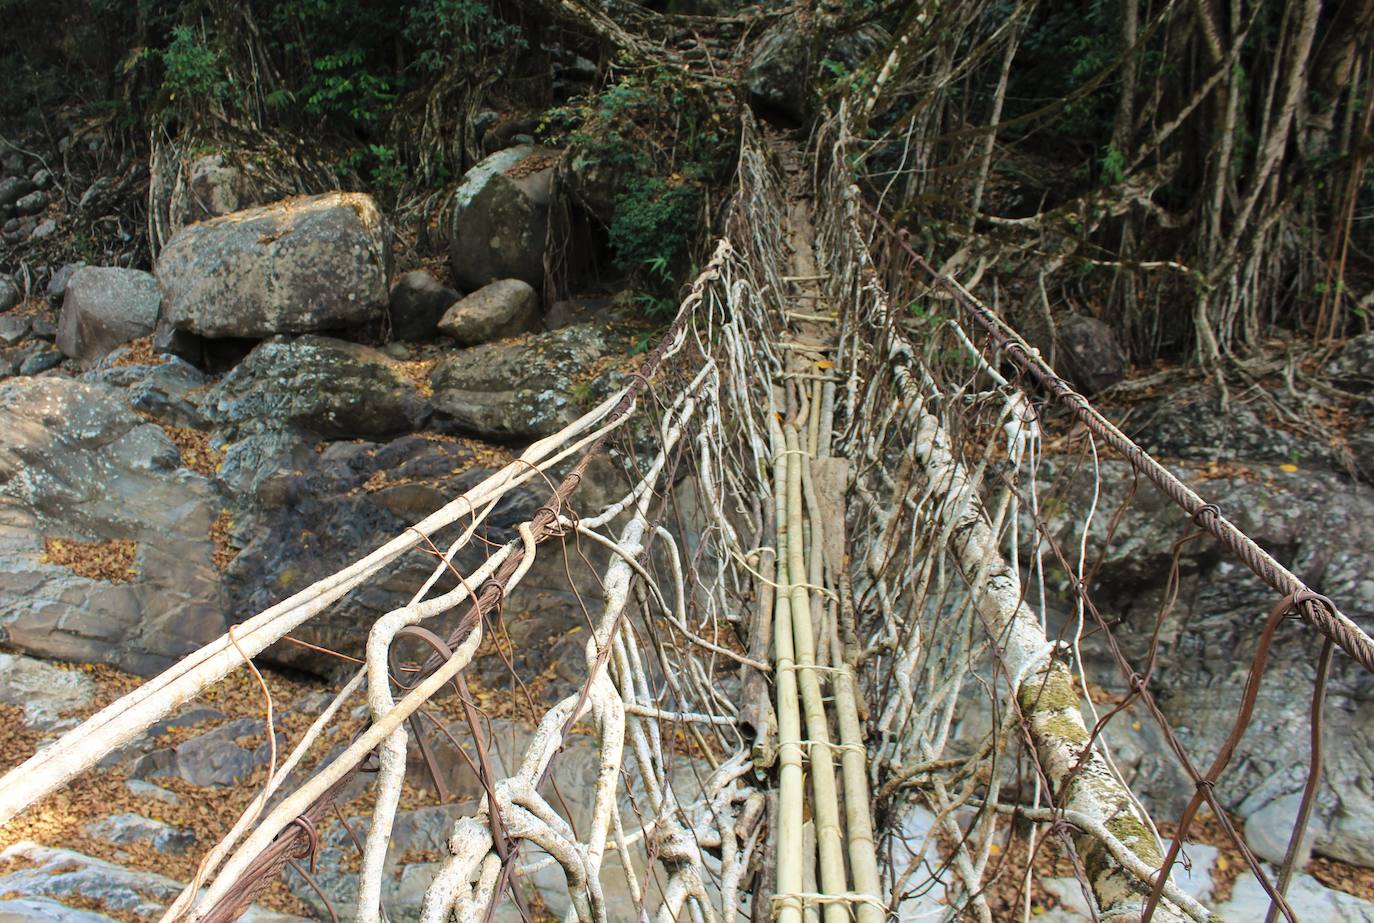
(924, 380)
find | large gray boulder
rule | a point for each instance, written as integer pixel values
(524, 388)
(77, 463)
(1092, 355)
(331, 388)
(217, 187)
(212, 758)
(778, 71)
(43, 883)
(500, 218)
(502, 309)
(306, 264)
(104, 307)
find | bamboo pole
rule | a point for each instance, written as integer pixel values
(824, 807)
(788, 908)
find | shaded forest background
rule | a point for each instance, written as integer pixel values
(1191, 173)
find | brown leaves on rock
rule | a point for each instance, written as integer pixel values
(196, 451)
(534, 163)
(417, 372)
(60, 819)
(219, 537)
(112, 561)
(140, 352)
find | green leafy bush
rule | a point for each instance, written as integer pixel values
(445, 31)
(192, 72)
(655, 220)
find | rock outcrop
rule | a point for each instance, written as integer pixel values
(313, 519)
(1208, 637)
(44, 884)
(523, 388)
(330, 388)
(297, 266)
(77, 464)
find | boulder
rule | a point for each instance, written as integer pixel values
(778, 71)
(77, 463)
(594, 183)
(31, 204)
(130, 829)
(40, 360)
(502, 309)
(13, 188)
(1312, 902)
(213, 758)
(53, 884)
(305, 264)
(417, 303)
(14, 328)
(1267, 830)
(524, 388)
(1092, 356)
(217, 188)
(105, 307)
(330, 388)
(500, 218)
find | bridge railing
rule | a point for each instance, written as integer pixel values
(1072, 509)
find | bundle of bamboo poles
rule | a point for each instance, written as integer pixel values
(826, 866)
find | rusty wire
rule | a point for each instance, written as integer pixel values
(1324, 616)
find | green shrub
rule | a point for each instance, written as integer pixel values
(445, 31)
(655, 223)
(192, 72)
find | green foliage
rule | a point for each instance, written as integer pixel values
(192, 72)
(1065, 46)
(665, 139)
(449, 30)
(378, 162)
(1113, 165)
(655, 220)
(343, 89)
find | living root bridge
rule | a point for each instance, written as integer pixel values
(818, 681)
